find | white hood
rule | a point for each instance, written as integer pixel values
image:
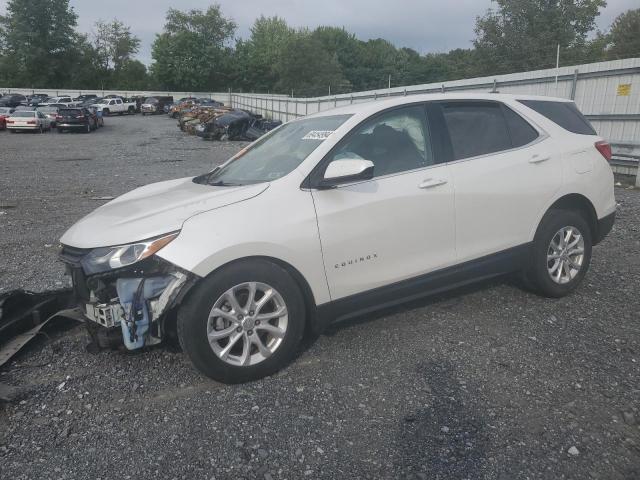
(152, 210)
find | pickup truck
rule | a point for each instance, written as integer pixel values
(115, 105)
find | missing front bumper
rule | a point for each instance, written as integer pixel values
(135, 300)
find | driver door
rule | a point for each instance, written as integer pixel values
(396, 226)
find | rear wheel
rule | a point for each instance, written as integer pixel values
(60, 130)
(87, 129)
(561, 253)
(242, 323)
(105, 111)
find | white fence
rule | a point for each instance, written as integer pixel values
(608, 93)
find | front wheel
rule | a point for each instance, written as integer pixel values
(242, 323)
(561, 254)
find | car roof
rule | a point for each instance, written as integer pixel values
(369, 108)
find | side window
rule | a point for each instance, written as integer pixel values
(565, 114)
(112, 102)
(521, 132)
(476, 128)
(395, 141)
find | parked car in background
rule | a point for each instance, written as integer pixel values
(110, 106)
(78, 119)
(153, 105)
(5, 112)
(51, 112)
(12, 100)
(25, 108)
(90, 102)
(84, 98)
(31, 120)
(36, 99)
(64, 100)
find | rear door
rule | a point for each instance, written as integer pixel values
(504, 174)
(396, 226)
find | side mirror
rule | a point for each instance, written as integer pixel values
(347, 170)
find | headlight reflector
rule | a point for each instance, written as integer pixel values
(108, 258)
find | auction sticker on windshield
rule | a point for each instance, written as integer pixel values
(318, 135)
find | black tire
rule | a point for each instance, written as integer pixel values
(88, 128)
(106, 112)
(193, 316)
(60, 130)
(131, 111)
(537, 275)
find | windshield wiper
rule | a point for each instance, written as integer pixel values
(222, 183)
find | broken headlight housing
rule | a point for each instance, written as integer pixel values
(109, 258)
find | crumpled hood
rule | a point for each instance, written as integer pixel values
(152, 210)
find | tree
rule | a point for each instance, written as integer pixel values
(305, 67)
(269, 36)
(192, 53)
(534, 27)
(40, 46)
(115, 44)
(625, 35)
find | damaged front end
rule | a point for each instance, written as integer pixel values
(133, 299)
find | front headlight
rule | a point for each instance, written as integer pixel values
(108, 258)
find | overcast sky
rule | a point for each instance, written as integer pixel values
(425, 25)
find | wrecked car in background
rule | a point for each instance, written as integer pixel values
(154, 105)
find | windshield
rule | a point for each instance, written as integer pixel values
(277, 154)
(24, 114)
(5, 110)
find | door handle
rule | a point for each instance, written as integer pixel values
(538, 159)
(431, 182)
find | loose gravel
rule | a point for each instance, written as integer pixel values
(488, 382)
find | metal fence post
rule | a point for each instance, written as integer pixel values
(574, 84)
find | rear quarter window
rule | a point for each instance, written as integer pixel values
(564, 114)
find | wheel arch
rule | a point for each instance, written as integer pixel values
(307, 293)
(578, 203)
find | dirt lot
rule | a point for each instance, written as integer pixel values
(489, 382)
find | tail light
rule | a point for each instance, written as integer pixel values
(31, 122)
(10, 121)
(58, 117)
(605, 149)
(80, 117)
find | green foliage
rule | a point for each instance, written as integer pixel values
(39, 43)
(192, 52)
(40, 48)
(523, 34)
(625, 36)
(306, 68)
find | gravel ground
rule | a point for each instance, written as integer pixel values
(488, 382)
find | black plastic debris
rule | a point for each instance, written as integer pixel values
(23, 314)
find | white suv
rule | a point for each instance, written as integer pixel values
(342, 212)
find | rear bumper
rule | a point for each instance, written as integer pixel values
(25, 127)
(605, 224)
(72, 125)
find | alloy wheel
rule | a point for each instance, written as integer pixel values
(565, 255)
(247, 324)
